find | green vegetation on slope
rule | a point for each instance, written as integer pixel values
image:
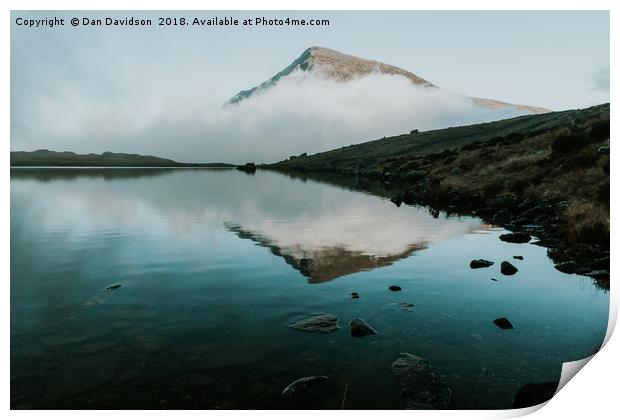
(51, 158)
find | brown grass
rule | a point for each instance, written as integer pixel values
(586, 221)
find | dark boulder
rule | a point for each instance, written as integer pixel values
(114, 286)
(503, 323)
(420, 387)
(517, 257)
(359, 328)
(516, 237)
(355, 295)
(395, 288)
(480, 263)
(508, 269)
(534, 394)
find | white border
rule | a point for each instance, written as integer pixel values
(591, 395)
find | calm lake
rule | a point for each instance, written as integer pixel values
(215, 264)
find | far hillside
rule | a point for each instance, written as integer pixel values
(50, 158)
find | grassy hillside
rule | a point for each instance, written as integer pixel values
(359, 156)
(51, 158)
(545, 174)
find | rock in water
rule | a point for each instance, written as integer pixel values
(516, 238)
(114, 286)
(318, 324)
(359, 328)
(508, 269)
(301, 384)
(517, 257)
(503, 323)
(419, 385)
(355, 295)
(534, 394)
(480, 263)
(395, 288)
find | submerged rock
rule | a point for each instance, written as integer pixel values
(533, 394)
(359, 328)
(516, 237)
(103, 295)
(405, 307)
(355, 295)
(508, 269)
(301, 384)
(517, 257)
(503, 323)
(420, 387)
(324, 324)
(480, 263)
(395, 288)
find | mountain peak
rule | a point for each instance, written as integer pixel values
(333, 65)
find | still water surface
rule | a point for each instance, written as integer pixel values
(213, 266)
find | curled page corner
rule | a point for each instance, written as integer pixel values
(613, 316)
(570, 369)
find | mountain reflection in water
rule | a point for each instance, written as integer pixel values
(326, 264)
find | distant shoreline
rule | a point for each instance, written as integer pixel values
(197, 166)
(51, 159)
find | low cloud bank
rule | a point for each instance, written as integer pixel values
(302, 113)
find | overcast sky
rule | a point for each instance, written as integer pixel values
(69, 85)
